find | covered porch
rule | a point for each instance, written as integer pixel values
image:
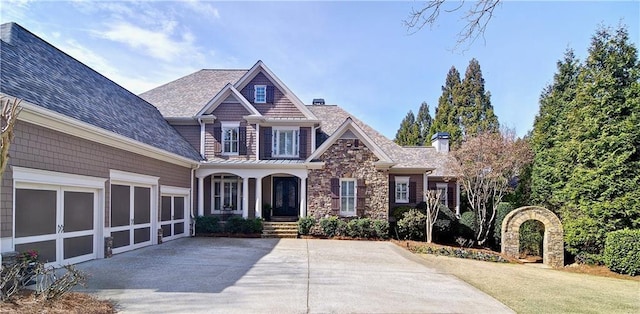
(255, 190)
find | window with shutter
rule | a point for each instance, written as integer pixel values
(260, 94)
(401, 190)
(442, 188)
(230, 138)
(348, 197)
(360, 197)
(335, 195)
(303, 144)
(265, 145)
(242, 140)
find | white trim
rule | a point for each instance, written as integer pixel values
(445, 199)
(401, 180)
(221, 96)
(28, 175)
(174, 190)
(37, 115)
(255, 94)
(132, 177)
(349, 124)
(260, 66)
(295, 138)
(355, 198)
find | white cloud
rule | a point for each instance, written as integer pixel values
(157, 44)
(205, 9)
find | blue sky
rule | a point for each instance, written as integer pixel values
(354, 54)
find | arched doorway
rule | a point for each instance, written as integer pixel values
(553, 243)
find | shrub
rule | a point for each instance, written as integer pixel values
(622, 251)
(445, 223)
(208, 224)
(360, 228)
(381, 228)
(305, 224)
(531, 236)
(467, 225)
(398, 212)
(412, 225)
(238, 224)
(501, 211)
(333, 226)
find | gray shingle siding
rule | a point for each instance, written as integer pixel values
(35, 71)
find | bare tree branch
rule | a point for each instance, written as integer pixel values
(477, 18)
(8, 117)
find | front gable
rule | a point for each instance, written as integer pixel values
(229, 101)
(280, 101)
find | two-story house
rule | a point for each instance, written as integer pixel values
(267, 154)
(96, 170)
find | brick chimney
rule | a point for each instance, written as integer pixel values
(440, 141)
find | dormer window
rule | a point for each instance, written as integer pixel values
(260, 94)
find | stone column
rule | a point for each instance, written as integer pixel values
(259, 197)
(303, 197)
(200, 196)
(245, 197)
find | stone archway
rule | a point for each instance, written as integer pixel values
(553, 245)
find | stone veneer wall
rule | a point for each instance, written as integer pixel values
(346, 160)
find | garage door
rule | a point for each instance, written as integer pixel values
(131, 223)
(172, 217)
(58, 222)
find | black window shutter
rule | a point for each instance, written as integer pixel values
(412, 192)
(270, 94)
(392, 192)
(450, 197)
(361, 197)
(335, 195)
(217, 135)
(303, 144)
(242, 140)
(252, 93)
(266, 139)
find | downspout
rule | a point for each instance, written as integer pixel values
(193, 223)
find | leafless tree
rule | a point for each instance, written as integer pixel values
(8, 118)
(432, 198)
(477, 17)
(486, 165)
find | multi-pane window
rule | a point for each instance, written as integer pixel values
(260, 94)
(286, 142)
(226, 194)
(442, 190)
(347, 197)
(230, 139)
(402, 189)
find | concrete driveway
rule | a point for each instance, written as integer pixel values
(222, 275)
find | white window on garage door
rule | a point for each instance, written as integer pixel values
(57, 215)
(174, 212)
(132, 219)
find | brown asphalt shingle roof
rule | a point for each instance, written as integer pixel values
(405, 157)
(187, 95)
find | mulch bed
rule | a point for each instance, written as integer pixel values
(72, 302)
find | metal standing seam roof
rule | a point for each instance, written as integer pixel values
(186, 96)
(404, 157)
(35, 71)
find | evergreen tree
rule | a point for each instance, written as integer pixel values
(424, 121)
(601, 193)
(475, 111)
(550, 168)
(586, 142)
(408, 134)
(446, 118)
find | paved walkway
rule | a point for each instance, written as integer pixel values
(222, 275)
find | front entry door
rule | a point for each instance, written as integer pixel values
(285, 197)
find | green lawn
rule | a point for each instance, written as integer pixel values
(533, 289)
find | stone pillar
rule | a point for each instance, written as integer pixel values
(245, 197)
(200, 196)
(108, 247)
(258, 197)
(303, 197)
